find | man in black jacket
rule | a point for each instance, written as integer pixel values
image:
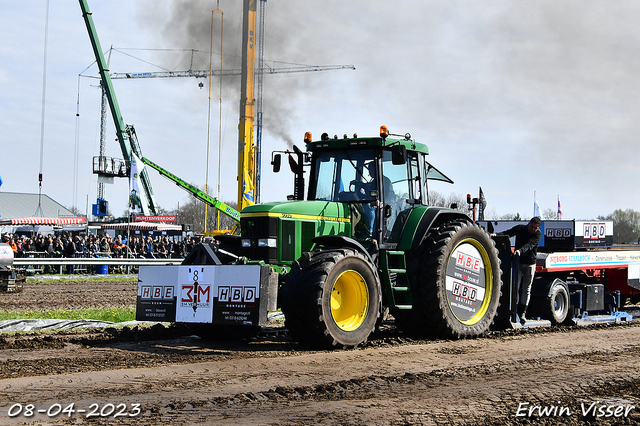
(527, 239)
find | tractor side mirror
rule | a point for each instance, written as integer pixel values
(277, 160)
(399, 154)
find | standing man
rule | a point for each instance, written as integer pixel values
(527, 239)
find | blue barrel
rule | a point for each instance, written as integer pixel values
(102, 269)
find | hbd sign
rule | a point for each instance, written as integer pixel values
(558, 233)
(465, 291)
(594, 230)
(236, 294)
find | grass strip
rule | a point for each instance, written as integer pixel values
(71, 278)
(110, 314)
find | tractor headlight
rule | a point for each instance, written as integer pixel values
(246, 242)
(267, 242)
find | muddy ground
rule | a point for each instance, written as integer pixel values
(165, 375)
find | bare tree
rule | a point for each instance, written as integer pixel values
(456, 201)
(549, 214)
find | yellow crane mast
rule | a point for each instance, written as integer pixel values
(246, 147)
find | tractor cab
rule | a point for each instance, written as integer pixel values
(380, 178)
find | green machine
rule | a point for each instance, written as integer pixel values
(363, 244)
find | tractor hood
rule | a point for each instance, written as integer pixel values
(305, 210)
(279, 233)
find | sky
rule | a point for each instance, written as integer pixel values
(519, 98)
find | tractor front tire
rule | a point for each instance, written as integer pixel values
(455, 281)
(331, 299)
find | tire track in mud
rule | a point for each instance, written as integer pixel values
(537, 385)
(393, 380)
(443, 382)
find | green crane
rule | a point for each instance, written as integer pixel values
(126, 134)
(203, 196)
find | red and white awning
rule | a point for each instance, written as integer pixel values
(142, 226)
(45, 221)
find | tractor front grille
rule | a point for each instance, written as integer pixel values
(257, 228)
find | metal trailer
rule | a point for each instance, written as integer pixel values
(581, 277)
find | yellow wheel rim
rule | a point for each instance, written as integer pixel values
(349, 300)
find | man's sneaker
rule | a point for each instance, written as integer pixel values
(523, 319)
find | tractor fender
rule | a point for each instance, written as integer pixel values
(341, 241)
(422, 220)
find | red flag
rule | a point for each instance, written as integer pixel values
(559, 209)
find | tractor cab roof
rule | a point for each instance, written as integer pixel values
(383, 141)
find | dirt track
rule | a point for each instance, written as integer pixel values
(177, 378)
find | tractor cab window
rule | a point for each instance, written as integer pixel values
(345, 176)
(401, 189)
(431, 174)
(349, 176)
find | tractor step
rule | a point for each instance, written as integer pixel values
(404, 307)
(396, 281)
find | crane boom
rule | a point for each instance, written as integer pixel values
(224, 208)
(205, 73)
(126, 134)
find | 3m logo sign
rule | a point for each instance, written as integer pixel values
(468, 262)
(238, 294)
(594, 231)
(464, 291)
(157, 292)
(195, 293)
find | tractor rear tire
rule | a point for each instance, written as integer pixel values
(331, 299)
(455, 281)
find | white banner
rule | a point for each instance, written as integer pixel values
(137, 200)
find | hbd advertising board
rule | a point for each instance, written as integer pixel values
(218, 294)
(563, 234)
(594, 233)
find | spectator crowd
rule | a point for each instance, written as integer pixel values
(65, 245)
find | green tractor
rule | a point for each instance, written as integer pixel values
(364, 244)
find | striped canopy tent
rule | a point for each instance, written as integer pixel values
(45, 221)
(142, 226)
